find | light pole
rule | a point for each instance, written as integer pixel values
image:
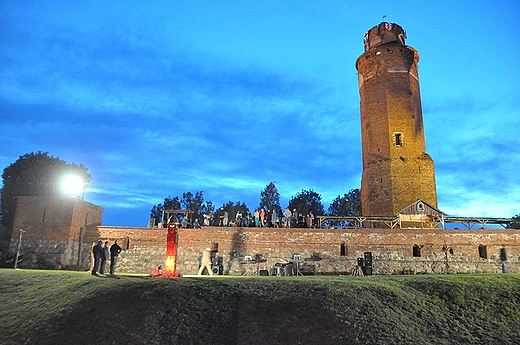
(18, 250)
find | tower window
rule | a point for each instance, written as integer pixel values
(398, 137)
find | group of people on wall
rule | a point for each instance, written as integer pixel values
(101, 254)
(264, 218)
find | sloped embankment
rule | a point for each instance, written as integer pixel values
(57, 307)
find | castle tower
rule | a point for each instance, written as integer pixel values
(397, 171)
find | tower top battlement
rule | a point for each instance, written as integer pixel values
(384, 33)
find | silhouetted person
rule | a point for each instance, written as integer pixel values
(295, 218)
(115, 249)
(104, 258)
(98, 254)
(220, 215)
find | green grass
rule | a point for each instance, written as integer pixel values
(62, 307)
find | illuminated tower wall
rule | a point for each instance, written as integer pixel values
(397, 171)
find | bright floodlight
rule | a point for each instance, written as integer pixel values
(72, 185)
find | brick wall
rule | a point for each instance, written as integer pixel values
(55, 229)
(49, 243)
(321, 249)
(56, 218)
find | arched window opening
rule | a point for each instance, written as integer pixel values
(416, 251)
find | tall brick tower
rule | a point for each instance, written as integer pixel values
(397, 171)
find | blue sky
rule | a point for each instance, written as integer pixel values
(157, 98)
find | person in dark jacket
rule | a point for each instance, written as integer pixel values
(115, 249)
(104, 258)
(98, 254)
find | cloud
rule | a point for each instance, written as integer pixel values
(198, 123)
(185, 98)
(474, 146)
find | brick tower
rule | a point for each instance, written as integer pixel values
(397, 171)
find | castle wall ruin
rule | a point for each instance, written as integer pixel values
(323, 251)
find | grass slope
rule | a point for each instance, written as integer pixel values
(61, 307)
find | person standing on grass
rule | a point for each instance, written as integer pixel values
(115, 249)
(205, 262)
(98, 254)
(104, 258)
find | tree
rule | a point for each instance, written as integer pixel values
(347, 205)
(193, 203)
(169, 203)
(34, 174)
(270, 198)
(306, 201)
